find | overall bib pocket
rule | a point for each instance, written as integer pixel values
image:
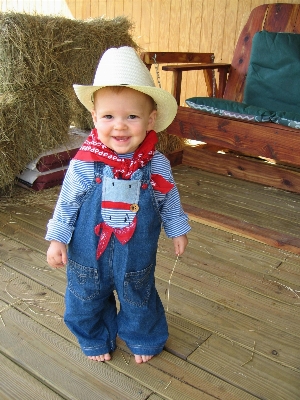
(137, 286)
(83, 282)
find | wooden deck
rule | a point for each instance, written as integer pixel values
(233, 306)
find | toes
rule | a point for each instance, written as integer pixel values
(101, 357)
(141, 359)
(138, 359)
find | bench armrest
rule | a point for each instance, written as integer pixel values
(223, 69)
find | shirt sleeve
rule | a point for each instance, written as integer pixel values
(78, 180)
(175, 221)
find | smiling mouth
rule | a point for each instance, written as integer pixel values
(121, 138)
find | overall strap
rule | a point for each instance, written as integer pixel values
(98, 169)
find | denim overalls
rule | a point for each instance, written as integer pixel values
(127, 268)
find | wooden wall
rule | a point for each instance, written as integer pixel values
(164, 25)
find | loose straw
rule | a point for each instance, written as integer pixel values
(168, 296)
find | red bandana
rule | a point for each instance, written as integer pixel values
(105, 231)
(94, 150)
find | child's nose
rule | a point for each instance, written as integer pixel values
(119, 124)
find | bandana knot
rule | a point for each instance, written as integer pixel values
(94, 150)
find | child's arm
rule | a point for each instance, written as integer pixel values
(180, 243)
(60, 227)
(57, 254)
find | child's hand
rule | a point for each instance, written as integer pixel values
(57, 254)
(180, 243)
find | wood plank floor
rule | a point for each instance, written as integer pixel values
(232, 304)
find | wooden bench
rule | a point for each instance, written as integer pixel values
(266, 153)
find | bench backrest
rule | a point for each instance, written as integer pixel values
(279, 17)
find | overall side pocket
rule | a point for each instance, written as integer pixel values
(83, 282)
(137, 286)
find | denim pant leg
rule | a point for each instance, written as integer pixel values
(144, 329)
(91, 313)
(141, 320)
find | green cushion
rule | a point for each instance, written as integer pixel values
(273, 78)
(230, 109)
(287, 118)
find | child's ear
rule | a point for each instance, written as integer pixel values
(94, 116)
(152, 119)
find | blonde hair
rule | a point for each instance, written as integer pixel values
(118, 89)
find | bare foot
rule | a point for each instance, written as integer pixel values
(141, 359)
(102, 357)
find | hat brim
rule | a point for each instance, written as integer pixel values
(166, 103)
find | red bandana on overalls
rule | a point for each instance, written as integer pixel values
(94, 150)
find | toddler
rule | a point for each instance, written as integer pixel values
(117, 193)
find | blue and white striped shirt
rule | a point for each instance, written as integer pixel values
(79, 178)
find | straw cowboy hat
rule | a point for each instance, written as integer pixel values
(123, 67)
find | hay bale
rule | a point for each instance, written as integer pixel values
(40, 59)
(168, 143)
(30, 123)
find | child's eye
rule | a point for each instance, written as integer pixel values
(132, 116)
(107, 116)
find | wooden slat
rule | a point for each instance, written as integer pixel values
(194, 78)
(247, 369)
(235, 85)
(18, 384)
(127, 8)
(228, 40)
(245, 229)
(281, 18)
(155, 397)
(32, 263)
(184, 38)
(136, 14)
(28, 214)
(110, 9)
(175, 158)
(101, 9)
(119, 7)
(145, 28)
(30, 236)
(164, 25)
(218, 24)
(252, 170)
(153, 21)
(290, 268)
(172, 57)
(184, 337)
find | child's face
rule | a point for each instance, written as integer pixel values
(122, 118)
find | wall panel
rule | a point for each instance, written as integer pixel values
(171, 25)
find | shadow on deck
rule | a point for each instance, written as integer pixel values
(233, 304)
